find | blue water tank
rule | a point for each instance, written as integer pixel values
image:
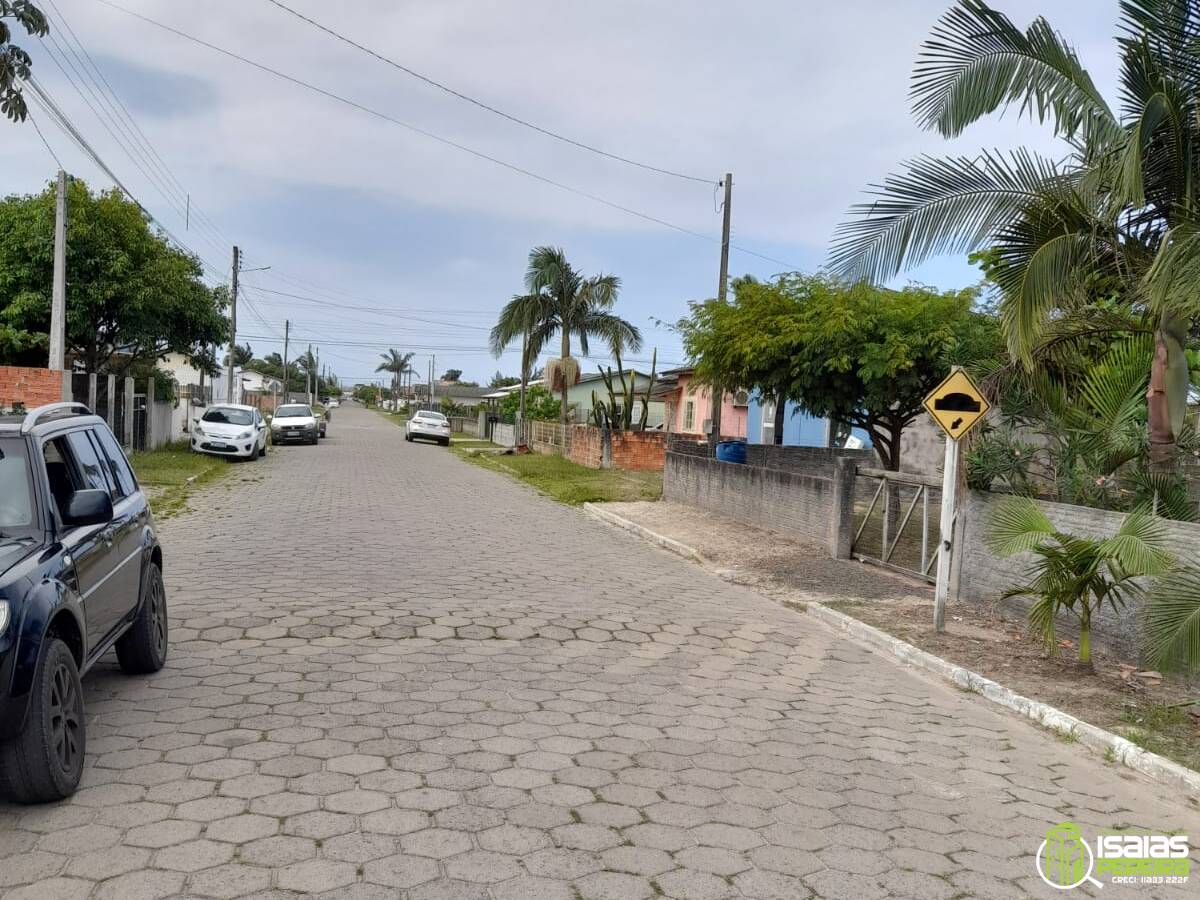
(732, 452)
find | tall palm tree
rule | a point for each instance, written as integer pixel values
(398, 364)
(560, 302)
(1106, 240)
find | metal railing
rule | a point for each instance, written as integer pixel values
(898, 540)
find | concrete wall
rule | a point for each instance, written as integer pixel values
(29, 387)
(978, 576)
(799, 505)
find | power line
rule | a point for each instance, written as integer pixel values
(485, 106)
(133, 140)
(45, 143)
(435, 137)
(64, 124)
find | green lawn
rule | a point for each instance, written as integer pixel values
(164, 475)
(571, 483)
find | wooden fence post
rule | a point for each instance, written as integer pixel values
(127, 437)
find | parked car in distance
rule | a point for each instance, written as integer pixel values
(230, 430)
(80, 572)
(430, 426)
(333, 403)
(294, 422)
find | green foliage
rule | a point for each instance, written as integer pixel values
(500, 380)
(1074, 574)
(1171, 622)
(562, 303)
(617, 412)
(540, 405)
(452, 375)
(131, 296)
(366, 393)
(854, 353)
(1104, 243)
(15, 64)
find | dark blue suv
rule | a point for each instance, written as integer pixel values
(80, 573)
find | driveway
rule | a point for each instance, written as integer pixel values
(445, 686)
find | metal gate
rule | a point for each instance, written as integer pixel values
(894, 513)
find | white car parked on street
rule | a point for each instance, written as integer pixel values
(228, 430)
(294, 422)
(431, 426)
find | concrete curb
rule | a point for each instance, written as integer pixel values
(1112, 747)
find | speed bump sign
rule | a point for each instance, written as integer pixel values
(957, 404)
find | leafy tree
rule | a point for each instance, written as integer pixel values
(242, 354)
(1115, 224)
(131, 296)
(500, 380)
(560, 302)
(540, 405)
(15, 63)
(855, 354)
(452, 375)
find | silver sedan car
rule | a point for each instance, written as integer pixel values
(429, 426)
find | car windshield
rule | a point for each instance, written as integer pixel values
(431, 417)
(16, 501)
(222, 415)
(292, 412)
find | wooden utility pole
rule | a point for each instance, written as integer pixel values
(233, 292)
(524, 371)
(718, 390)
(58, 297)
(287, 327)
(308, 374)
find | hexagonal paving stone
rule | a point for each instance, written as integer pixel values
(316, 875)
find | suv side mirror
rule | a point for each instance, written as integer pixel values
(92, 507)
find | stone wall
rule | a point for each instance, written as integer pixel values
(978, 576)
(29, 387)
(793, 503)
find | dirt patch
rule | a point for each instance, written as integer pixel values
(1160, 714)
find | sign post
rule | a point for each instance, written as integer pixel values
(957, 405)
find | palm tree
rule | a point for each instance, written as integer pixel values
(398, 364)
(560, 302)
(1105, 241)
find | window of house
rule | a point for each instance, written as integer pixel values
(689, 415)
(768, 422)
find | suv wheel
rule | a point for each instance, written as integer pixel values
(143, 648)
(44, 762)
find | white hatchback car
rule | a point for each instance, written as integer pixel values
(431, 426)
(229, 430)
(294, 422)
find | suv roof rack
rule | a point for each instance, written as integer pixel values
(66, 409)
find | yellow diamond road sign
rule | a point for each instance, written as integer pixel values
(957, 404)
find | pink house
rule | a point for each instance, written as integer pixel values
(689, 406)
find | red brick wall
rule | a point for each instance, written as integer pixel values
(29, 387)
(642, 451)
(639, 451)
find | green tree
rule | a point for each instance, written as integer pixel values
(1078, 575)
(855, 354)
(131, 296)
(540, 405)
(398, 364)
(562, 303)
(452, 375)
(243, 354)
(500, 380)
(15, 64)
(1116, 222)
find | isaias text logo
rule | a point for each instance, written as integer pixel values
(1066, 859)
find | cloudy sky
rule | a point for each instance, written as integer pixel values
(389, 238)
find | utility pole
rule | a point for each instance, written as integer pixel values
(308, 374)
(432, 370)
(524, 371)
(718, 390)
(287, 327)
(58, 302)
(317, 377)
(233, 291)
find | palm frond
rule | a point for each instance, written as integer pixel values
(939, 205)
(977, 62)
(1171, 621)
(1018, 525)
(1140, 546)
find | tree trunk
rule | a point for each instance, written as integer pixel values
(1085, 637)
(1162, 437)
(780, 409)
(562, 413)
